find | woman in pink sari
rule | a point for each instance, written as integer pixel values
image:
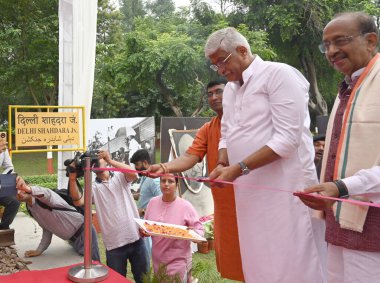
(168, 208)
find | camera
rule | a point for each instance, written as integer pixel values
(80, 162)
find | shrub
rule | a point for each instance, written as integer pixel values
(209, 230)
(161, 276)
(205, 271)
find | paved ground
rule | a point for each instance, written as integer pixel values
(27, 237)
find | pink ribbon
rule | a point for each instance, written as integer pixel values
(203, 179)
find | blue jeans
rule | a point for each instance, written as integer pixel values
(136, 254)
(148, 247)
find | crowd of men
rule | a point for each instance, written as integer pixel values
(260, 140)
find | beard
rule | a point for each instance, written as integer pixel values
(142, 168)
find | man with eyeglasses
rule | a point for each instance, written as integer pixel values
(265, 147)
(227, 252)
(350, 166)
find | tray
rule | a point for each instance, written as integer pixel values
(192, 236)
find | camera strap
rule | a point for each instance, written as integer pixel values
(51, 208)
(44, 205)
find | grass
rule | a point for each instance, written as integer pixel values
(204, 267)
(30, 164)
(33, 164)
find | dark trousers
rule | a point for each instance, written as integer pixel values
(11, 205)
(136, 254)
(78, 245)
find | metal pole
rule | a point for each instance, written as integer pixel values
(88, 215)
(88, 272)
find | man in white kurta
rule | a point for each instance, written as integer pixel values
(266, 147)
(350, 166)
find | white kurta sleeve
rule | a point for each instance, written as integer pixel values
(228, 102)
(364, 181)
(7, 162)
(287, 91)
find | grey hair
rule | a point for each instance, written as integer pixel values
(226, 39)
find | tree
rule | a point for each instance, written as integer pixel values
(108, 101)
(295, 30)
(161, 65)
(130, 10)
(28, 53)
(159, 68)
(160, 8)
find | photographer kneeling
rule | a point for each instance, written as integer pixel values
(55, 216)
(116, 210)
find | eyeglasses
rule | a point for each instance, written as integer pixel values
(338, 42)
(217, 92)
(220, 64)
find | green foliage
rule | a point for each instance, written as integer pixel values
(295, 29)
(28, 53)
(161, 276)
(46, 181)
(205, 272)
(160, 69)
(209, 229)
(258, 41)
(130, 10)
(160, 8)
(150, 58)
(108, 101)
(40, 179)
(22, 208)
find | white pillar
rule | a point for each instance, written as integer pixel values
(77, 43)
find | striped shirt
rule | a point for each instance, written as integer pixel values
(116, 210)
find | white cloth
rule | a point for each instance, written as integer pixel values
(77, 49)
(6, 162)
(278, 240)
(350, 266)
(366, 181)
(133, 147)
(116, 210)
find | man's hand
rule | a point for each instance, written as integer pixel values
(141, 212)
(143, 233)
(72, 170)
(32, 253)
(229, 174)
(105, 155)
(325, 189)
(22, 186)
(136, 195)
(154, 171)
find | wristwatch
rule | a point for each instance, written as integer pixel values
(244, 168)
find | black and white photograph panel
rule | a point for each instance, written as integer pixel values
(181, 140)
(122, 137)
(177, 123)
(185, 129)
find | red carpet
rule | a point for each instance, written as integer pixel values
(56, 275)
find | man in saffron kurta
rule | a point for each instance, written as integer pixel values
(227, 250)
(352, 153)
(266, 144)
